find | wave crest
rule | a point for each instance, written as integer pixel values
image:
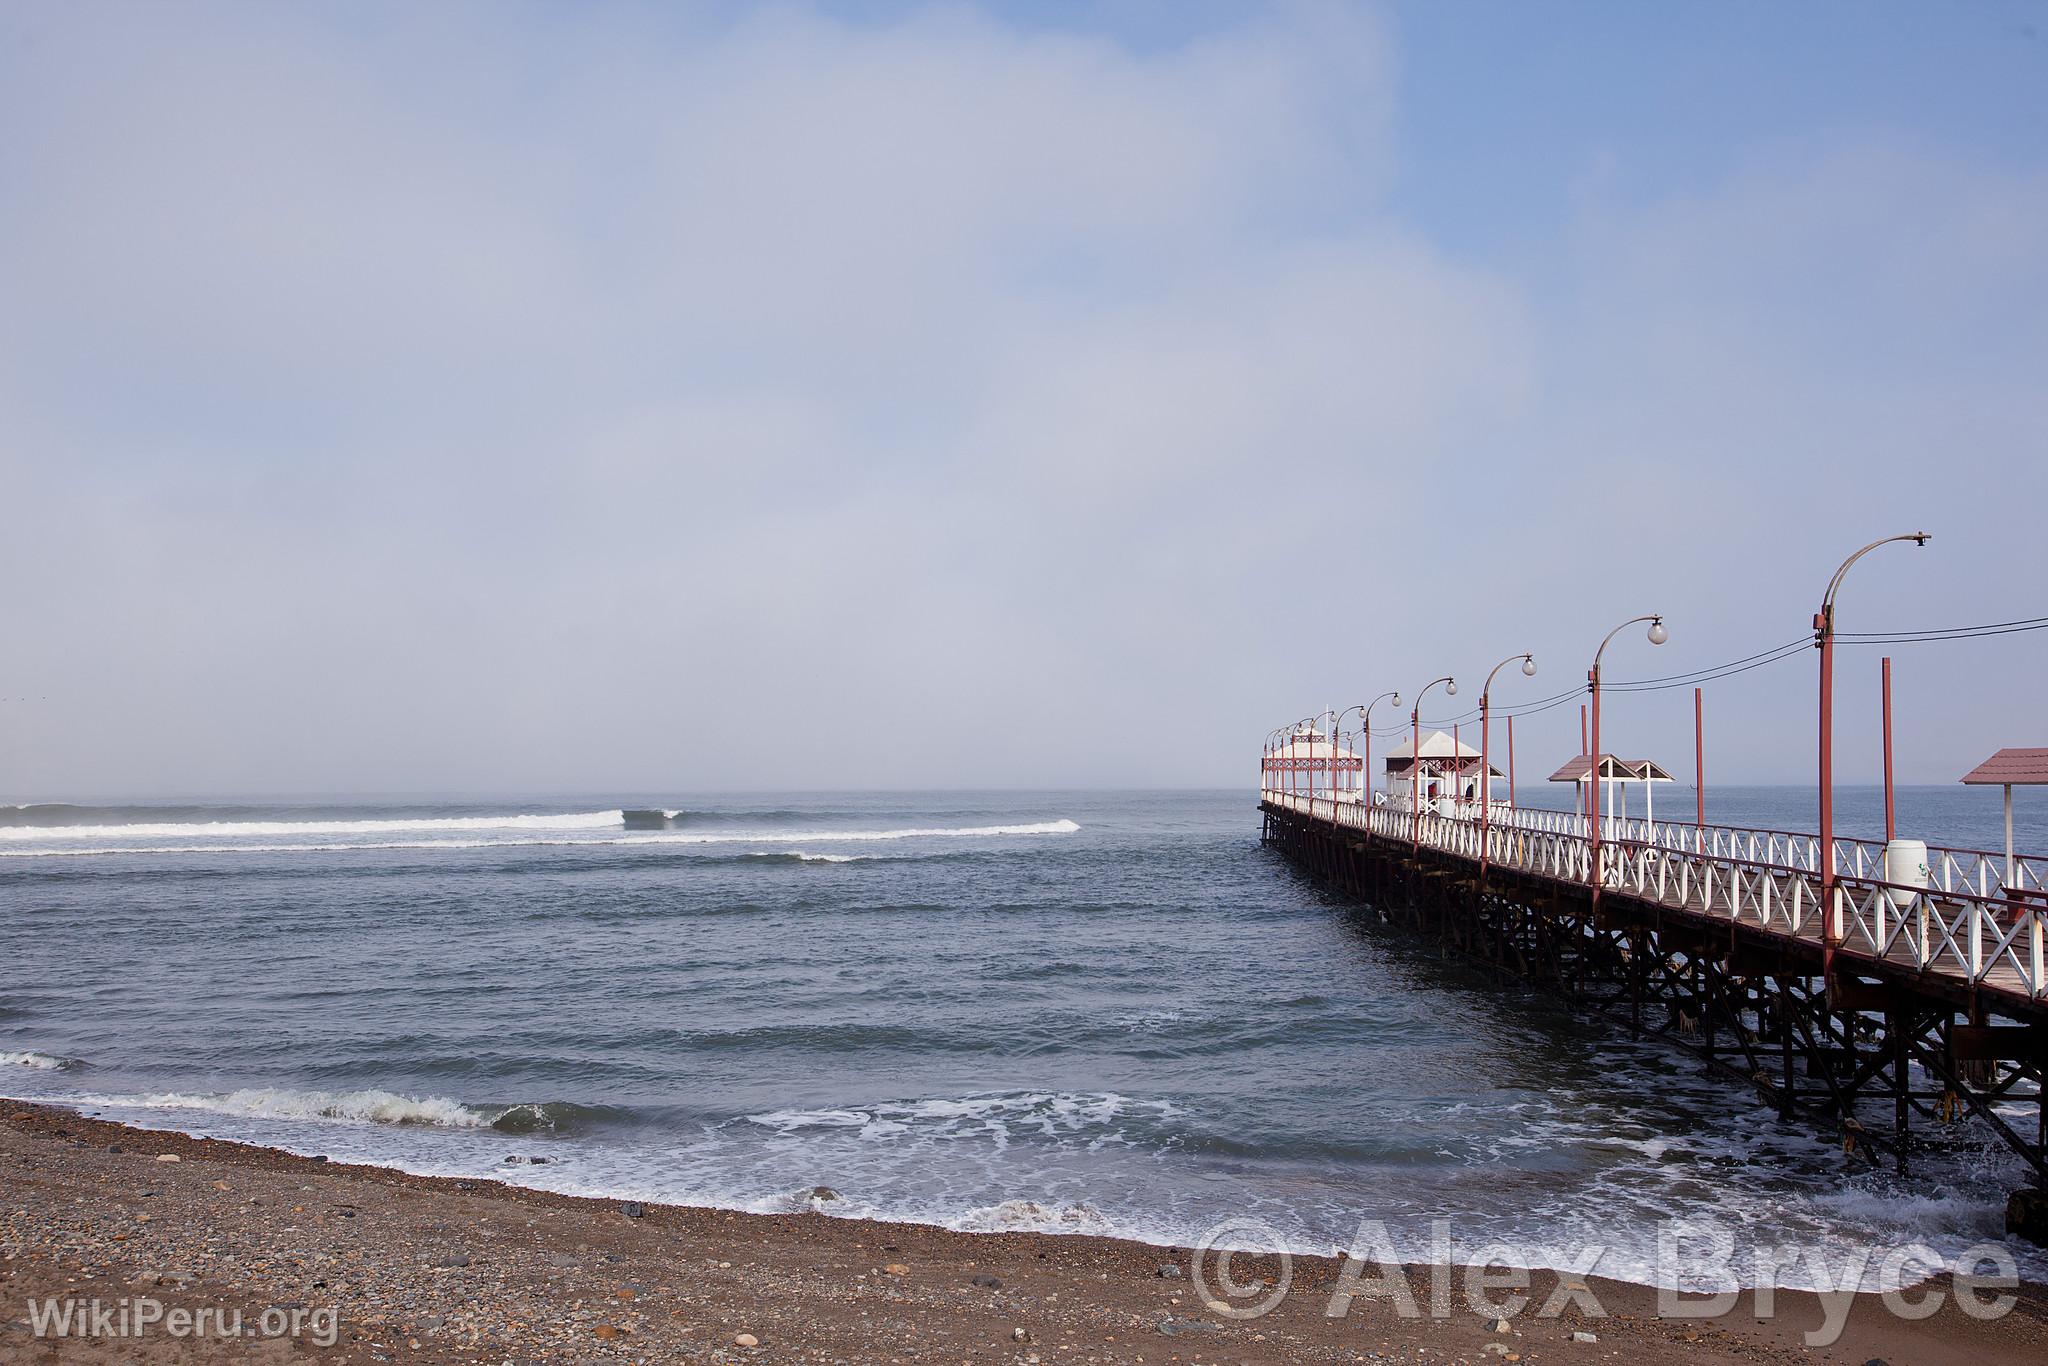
(363, 1107)
(508, 835)
(1093, 1118)
(167, 830)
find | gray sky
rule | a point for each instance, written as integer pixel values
(471, 398)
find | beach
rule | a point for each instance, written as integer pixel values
(401, 1268)
(904, 681)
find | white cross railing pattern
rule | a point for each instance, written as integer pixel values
(1967, 921)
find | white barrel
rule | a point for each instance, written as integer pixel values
(1905, 863)
(1446, 807)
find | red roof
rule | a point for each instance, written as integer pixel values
(2018, 766)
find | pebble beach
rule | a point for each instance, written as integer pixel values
(408, 1268)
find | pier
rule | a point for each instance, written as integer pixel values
(1884, 1012)
(1890, 993)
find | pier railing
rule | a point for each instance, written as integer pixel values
(1975, 917)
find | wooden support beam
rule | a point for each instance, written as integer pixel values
(1852, 993)
(1998, 1043)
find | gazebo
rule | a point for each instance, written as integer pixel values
(2010, 768)
(1446, 762)
(1294, 766)
(1616, 774)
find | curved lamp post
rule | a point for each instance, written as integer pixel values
(1336, 739)
(1365, 738)
(1658, 635)
(1271, 746)
(1415, 754)
(1311, 721)
(1364, 710)
(1485, 761)
(1288, 734)
(1824, 641)
(1287, 749)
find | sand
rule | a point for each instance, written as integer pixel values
(391, 1267)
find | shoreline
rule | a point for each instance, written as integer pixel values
(419, 1268)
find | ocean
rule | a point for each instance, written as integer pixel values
(1084, 1012)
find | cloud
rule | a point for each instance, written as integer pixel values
(422, 403)
(460, 399)
(1745, 382)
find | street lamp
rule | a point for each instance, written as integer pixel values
(1332, 785)
(1364, 710)
(1294, 765)
(1658, 635)
(1266, 781)
(1824, 641)
(1365, 737)
(1415, 754)
(1283, 740)
(1485, 761)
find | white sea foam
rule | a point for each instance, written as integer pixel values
(1029, 1216)
(218, 830)
(42, 1062)
(1059, 827)
(881, 1159)
(361, 1107)
(1095, 1117)
(514, 838)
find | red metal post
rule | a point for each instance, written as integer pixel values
(1658, 635)
(1593, 678)
(1824, 637)
(1587, 804)
(1699, 757)
(1415, 755)
(1415, 778)
(1830, 927)
(1486, 753)
(1485, 776)
(1890, 823)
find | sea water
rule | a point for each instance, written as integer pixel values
(1087, 1012)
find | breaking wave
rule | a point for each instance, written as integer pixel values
(1029, 1216)
(518, 831)
(584, 820)
(1089, 1117)
(358, 1107)
(41, 1062)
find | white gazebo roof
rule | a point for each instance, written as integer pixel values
(1439, 751)
(1436, 744)
(1316, 748)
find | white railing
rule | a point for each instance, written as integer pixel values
(1968, 921)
